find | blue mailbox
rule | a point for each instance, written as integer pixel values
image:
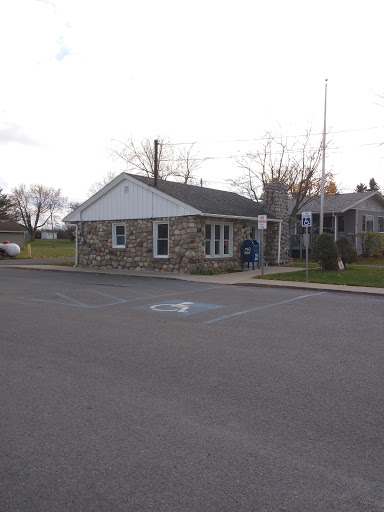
(250, 252)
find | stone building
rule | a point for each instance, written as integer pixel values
(173, 227)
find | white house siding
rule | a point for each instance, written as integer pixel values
(371, 205)
(129, 200)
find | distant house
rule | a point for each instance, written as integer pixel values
(48, 234)
(344, 214)
(174, 227)
(13, 232)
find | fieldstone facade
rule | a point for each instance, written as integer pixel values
(186, 245)
(276, 202)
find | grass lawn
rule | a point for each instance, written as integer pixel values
(361, 261)
(352, 276)
(45, 249)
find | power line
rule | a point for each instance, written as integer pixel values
(268, 138)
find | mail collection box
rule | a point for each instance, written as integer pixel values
(250, 253)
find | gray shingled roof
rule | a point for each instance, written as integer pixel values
(336, 202)
(10, 226)
(208, 200)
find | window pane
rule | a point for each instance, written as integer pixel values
(226, 232)
(363, 222)
(162, 247)
(208, 247)
(162, 230)
(208, 231)
(369, 223)
(226, 247)
(120, 240)
(340, 224)
(217, 247)
(217, 231)
(120, 230)
(380, 226)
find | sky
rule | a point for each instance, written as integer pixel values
(78, 75)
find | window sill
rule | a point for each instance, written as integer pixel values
(224, 257)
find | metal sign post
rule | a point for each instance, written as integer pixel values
(262, 224)
(306, 221)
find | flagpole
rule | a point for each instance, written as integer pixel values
(323, 166)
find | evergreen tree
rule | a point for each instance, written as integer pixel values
(373, 184)
(5, 206)
(361, 187)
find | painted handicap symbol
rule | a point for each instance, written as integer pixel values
(182, 307)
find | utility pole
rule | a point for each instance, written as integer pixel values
(155, 163)
(323, 166)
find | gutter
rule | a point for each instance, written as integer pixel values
(255, 219)
(76, 244)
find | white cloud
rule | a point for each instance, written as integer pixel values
(81, 73)
(11, 132)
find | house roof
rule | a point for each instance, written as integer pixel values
(197, 200)
(338, 202)
(9, 226)
(207, 200)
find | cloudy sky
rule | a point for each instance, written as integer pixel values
(78, 74)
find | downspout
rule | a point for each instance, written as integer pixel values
(356, 226)
(279, 244)
(336, 233)
(76, 244)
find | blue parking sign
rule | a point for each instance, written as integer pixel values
(306, 219)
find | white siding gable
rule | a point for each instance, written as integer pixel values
(129, 199)
(371, 204)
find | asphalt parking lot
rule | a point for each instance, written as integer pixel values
(141, 394)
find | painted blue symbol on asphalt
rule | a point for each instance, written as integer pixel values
(179, 308)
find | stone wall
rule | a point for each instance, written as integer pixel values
(186, 245)
(276, 203)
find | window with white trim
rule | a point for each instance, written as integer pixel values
(118, 236)
(367, 222)
(380, 224)
(218, 240)
(160, 240)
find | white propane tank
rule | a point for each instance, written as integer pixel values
(11, 249)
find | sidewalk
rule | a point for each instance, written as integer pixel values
(236, 278)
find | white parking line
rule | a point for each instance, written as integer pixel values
(259, 308)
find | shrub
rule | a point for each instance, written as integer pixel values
(371, 244)
(325, 251)
(207, 271)
(347, 252)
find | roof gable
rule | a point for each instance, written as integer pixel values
(143, 200)
(340, 202)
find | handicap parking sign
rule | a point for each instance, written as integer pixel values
(306, 219)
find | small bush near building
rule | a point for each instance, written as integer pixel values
(208, 271)
(347, 252)
(325, 251)
(371, 244)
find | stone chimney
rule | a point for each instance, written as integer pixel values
(276, 204)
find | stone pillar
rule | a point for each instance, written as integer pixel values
(276, 204)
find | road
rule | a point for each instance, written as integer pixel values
(142, 394)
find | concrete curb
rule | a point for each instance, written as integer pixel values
(235, 279)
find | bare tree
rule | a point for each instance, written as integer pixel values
(98, 185)
(297, 165)
(175, 161)
(35, 205)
